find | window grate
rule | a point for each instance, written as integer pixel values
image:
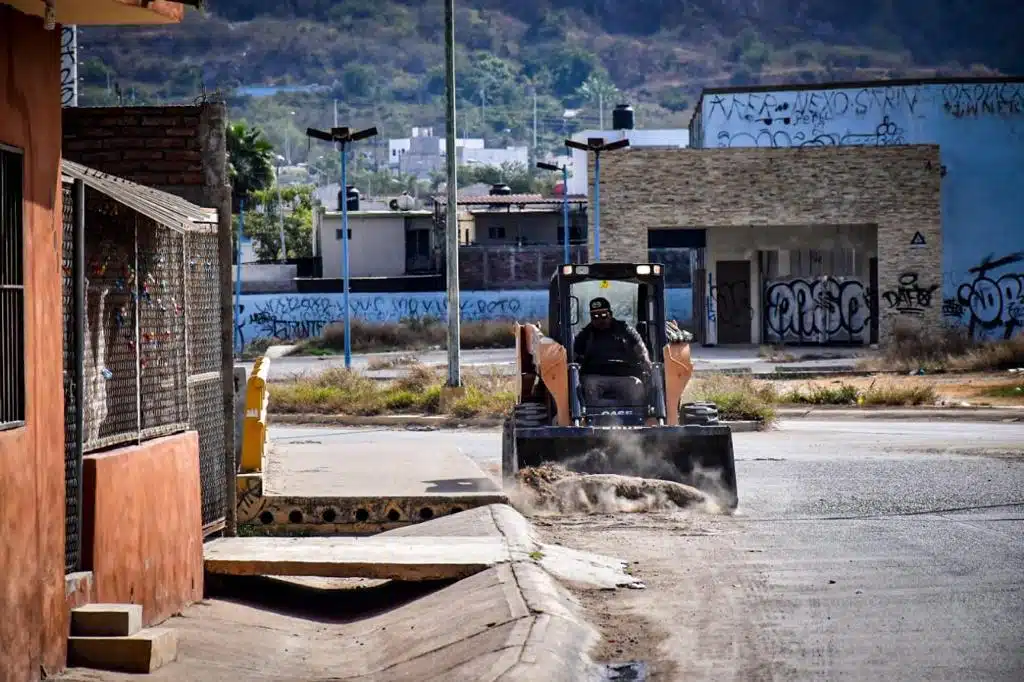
(12, 291)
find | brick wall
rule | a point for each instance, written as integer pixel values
(894, 188)
(176, 148)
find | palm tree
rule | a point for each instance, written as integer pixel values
(596, 90)
(250, 161)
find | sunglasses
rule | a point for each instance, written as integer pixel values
(599, 316)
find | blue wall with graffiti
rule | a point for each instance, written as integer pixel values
(979, 127)
(299, 316)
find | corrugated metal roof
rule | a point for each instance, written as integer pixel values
(163, 207)
(516, 199)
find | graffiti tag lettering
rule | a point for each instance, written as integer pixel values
(885, 134)
(989, 99)
(909, 297)
(995, 302)
(826, 309)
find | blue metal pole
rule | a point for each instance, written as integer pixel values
(238, 274)
(597, 206)
(344, 255)
(565, 212)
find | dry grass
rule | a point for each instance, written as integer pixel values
(950, 351)
(411, 334)
(345, 392)
(738, 398)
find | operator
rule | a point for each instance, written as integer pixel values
(612, 357)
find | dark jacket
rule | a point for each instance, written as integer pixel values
(593, 348)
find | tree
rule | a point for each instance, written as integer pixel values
(263, 222)
(250, 161)
(599, 90)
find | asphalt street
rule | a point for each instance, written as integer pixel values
(502, 359)
(862, 550)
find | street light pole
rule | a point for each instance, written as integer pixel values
(343, 136)
(567, 254)
(451, 216)
(597, 145)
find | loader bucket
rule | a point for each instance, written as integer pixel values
(698, 456)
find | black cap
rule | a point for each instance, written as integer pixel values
(599, 303)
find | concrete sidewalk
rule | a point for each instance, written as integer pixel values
(966, 414)
(510, 622)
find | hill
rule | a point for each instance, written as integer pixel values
(382, 59)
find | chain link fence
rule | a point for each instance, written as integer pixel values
(152, 360)
(72, 484)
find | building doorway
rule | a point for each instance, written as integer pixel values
(732, 300)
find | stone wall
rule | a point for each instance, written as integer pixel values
(894, 188)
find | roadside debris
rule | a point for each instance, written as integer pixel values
(552, 488)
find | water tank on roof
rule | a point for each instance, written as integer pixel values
(622, 117)
(501, 190)
(353, 198)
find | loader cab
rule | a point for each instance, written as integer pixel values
(636, 293)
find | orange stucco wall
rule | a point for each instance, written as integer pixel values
(143, 526)
(32, 616)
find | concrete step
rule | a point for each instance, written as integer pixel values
(106, 620)
(142, 652)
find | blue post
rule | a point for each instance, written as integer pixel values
(344, 255)
(565, 211)
(597, 206)
(238, 273)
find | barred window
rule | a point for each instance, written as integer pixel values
(12, 291)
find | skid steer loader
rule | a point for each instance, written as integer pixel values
(556, 420)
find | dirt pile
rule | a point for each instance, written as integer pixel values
(551, 488)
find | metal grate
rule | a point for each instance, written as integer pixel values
(111, 361)
(161, 303)
(72, 486)
(12, 291)
(206, 402)
(202, 273)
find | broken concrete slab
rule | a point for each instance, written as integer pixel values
(106, 620)
(142, 652)
(420, 558)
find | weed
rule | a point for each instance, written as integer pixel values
(950, 350)
(738, 398)
(408, 334)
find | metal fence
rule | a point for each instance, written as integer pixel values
(206, 401)
(72, 482)
(152, 357)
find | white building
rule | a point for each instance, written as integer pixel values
(381, 243)
(494, 157)
(669, 137)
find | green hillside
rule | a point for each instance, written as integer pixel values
(382, 59)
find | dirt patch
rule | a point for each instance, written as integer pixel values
(553, 489)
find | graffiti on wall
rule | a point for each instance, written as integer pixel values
(992, 299)
(909, 297)
(812, 107)
(69, 66)
(825, 309)
(973, 100)
(299, 316)
(885, 134)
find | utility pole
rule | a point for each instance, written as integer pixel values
(451, 234)
(535, 122)
(343, 137)
(335, 113)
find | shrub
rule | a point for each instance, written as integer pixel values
(738, 398)
(950, 350)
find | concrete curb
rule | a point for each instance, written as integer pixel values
(974, 414)
(428, 421)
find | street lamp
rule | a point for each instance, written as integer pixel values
(280, 208)
(343, 136)
(597, 145)
(567, 257)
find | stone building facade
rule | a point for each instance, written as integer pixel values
(796, 245)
